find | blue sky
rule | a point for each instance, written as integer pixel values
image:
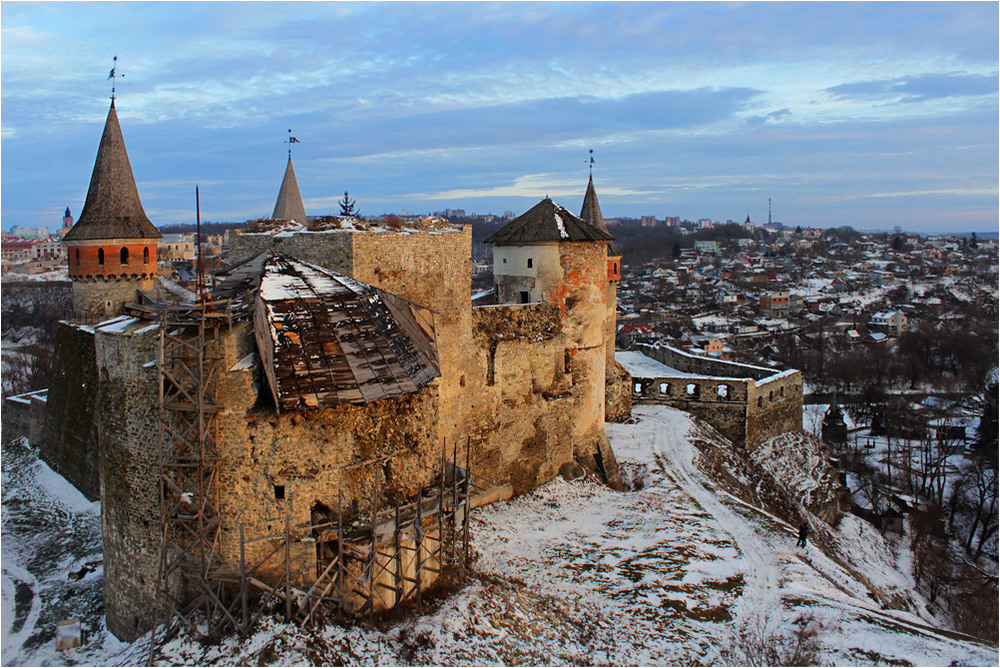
(864, 114)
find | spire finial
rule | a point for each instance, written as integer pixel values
(591, 163)
(114, 76)
(291, 140)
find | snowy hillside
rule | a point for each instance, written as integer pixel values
(676, 572)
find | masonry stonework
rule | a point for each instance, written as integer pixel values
(747, 404)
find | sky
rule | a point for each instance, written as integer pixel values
(873, 115)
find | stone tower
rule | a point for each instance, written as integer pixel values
(111, 249)
(550, 255)
(289, 205)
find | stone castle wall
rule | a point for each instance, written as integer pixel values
(126, 419)
(745, 410)
(68, 440)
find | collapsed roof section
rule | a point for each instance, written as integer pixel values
(326, 339)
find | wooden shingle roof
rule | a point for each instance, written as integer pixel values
(547, 222)
(112, 209)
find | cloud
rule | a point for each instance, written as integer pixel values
(530, 185)
(917, 88)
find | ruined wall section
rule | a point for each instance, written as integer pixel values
(126, 421)
(747, 404)
(774, 406)
(433, 269)
(722, 402)
(524, 395)
(68, 441)
(289, 463)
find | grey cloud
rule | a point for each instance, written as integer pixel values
(918, 88)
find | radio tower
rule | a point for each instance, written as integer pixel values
(768, 210)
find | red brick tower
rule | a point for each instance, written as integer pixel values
(111, 249)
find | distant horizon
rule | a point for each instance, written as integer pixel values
(867, 114)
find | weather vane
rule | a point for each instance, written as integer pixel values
(114, 75)
(291, 140)
(591, 162)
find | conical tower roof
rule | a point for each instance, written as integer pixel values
(112, 209)
(545, 222)
(591, 212)
(289, 205)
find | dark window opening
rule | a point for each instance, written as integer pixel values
(124, 256)
(529, 263)
(279, 492)
(77, 251)
(145, 255)
(567, 362)
(100, 257)
(760, 402)
(525, 297)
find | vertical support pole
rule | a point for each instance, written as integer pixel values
(440, 550)
(418, 540)
(288, 560)
(245, 622)
(468, 506)
(340, 555)
(374, 560)
(399, 563)
(454, 499)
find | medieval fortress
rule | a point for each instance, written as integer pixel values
(333, 371)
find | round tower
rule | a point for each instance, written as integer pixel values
(111, 250)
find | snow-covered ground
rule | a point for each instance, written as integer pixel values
(676, 572)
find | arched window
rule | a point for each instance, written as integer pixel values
(145, 255)
(692, 390)
(124, 255)
(770, 395)
(723, 391)
(100, 257)
(77, 251)
(760, 402)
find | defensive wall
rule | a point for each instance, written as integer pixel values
(747, 404)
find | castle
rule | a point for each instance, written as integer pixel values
(336, 368)
(349, 358)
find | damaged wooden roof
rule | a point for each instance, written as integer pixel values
(326, 339)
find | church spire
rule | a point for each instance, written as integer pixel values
(112, 209)
(289, 205)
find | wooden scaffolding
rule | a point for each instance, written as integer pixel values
(363, 564)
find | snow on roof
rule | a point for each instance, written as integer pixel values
(641, 366)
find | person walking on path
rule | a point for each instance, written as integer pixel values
(803, 534)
